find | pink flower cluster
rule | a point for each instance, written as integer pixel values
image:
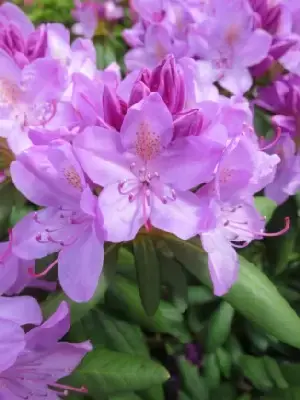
(89, 13)
(103, 158)
(232, 41)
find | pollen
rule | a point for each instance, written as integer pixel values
(9, 93)
(232, 34)
(225, 175)
(73, 178)
(148, 144)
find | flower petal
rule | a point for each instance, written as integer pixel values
(99, 152)
(147, 127)
(179, 217)
(45, 336)
(26, 231)
(122, 218)
(21, 309)
(80, 265)
(12, 343)
(223, 261)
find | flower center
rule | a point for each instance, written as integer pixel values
(9, 93)
(147, 144)
(73, 177)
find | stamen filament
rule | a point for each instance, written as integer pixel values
(265, 234)
(274, 141)
(44, 273)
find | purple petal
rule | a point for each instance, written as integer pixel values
(27, 231)
(179, 217)
(22, 310)
(12, 343)
(99, 152)
(147, 127)
(256, 48)
(80, 265)
(45, 336)
(223, 261)
(122, 218)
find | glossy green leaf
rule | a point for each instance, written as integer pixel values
(154, 393)
(253, 295)
(280, 248)
(254, 369)
(123, 295)
(275, 373)
(225, 391)
(265, 206)
(292, 393)
(128, 396)
(183, 396)
(225, 361)
(193, 382)
(78, 310)
(122, 335)
(173, 275)
(199, 295)
(219, 326)
(113, 372)
(291, 373)
(7, 193)
(211, 371)
(148, 273)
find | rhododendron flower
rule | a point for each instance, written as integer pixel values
(27, 97)
(231, 218)
(234, 223)
(287, 179)
(18, 37)
(14, 313)
(14, 275)
(42, 361)
(145, 173)
(71, 224)
(89, 12)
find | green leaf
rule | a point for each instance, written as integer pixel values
(288, 394)
(225, 391)
(154, 393)
(78, 310)
(128, 396)
(122, 335)
(193, 383)
(225, 362)
(199, 295)
(254, 369)
(275, 373)
(148, 273)
(173, 275)
(183, 396)
(211, 371)
(291, 373)
(253, 295)
(123, 295)
(234, 349)
(219, 326)
(7, 193)
(115, 372)
(245, 396)
(280, 248)
(265, 206)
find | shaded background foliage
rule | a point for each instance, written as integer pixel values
(158, 332)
